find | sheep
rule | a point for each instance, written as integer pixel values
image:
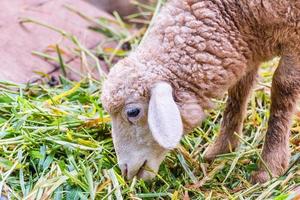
(195, 52)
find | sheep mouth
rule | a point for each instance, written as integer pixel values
(143, 168)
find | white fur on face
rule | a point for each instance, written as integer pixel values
(141, 140)
(138, 153)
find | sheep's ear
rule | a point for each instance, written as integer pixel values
(164, 117)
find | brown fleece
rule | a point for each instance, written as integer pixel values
(205, 48)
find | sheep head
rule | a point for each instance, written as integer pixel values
(146, 120)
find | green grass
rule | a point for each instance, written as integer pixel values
(55, 142)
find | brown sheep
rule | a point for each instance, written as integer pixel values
(194, 52)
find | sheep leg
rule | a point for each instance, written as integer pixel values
(233, 117)
(284, 95)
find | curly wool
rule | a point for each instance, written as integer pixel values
(204, 47)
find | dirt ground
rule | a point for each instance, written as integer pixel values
(18, 40)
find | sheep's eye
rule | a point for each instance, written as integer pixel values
(133, 112)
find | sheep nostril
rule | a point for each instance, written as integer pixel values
(144, 164)
(126, 171)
